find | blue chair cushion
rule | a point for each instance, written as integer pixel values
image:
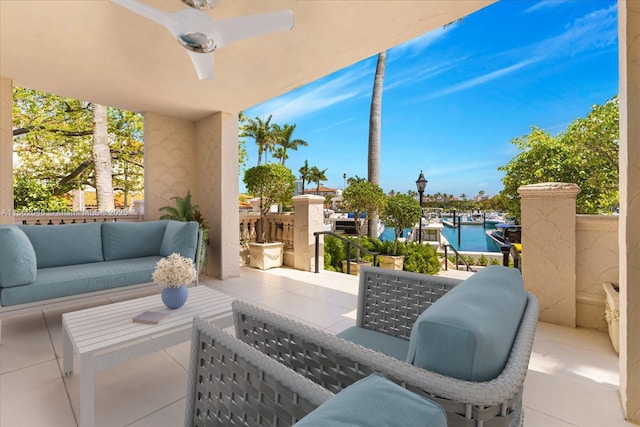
(18, 264)
(391, 346)
(58, 282)
(468, 333)
(125, 240)
(68, 244)
(376, 401)
(180, 237)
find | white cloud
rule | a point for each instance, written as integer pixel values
(594, 30)
(483, 78)
(420, 72)
(545, 4)
(597, 29)
(317, 96)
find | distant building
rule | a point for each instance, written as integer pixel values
(323, 191)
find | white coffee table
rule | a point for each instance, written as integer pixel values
(105, 336)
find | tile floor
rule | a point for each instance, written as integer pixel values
(572, 380)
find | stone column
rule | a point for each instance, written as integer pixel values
(6, 151)
(629, 226)
(549, 248)
(217, 191)
(169, 162)
(309, 218)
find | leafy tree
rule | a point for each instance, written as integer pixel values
(305, 172)
(363, 198)
(54, 139)
(262, 132)
(401, 211)
(282, 137)
(272, 183)
(585, 154)
(31, 195)
(316, 175)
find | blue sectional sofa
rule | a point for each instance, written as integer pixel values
(42, 263)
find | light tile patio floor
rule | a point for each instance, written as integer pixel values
(572, 380)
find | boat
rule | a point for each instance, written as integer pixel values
(505, 234)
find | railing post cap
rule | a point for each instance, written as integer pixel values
(308, 198)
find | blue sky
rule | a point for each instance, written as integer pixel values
(454, 98)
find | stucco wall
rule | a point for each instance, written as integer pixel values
(6, 152)
(170, 161)
(597, 261)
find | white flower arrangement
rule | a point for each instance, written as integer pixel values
(174, 271)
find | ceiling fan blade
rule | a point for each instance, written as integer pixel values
(163, 18)
(233, 29)
(203, 63)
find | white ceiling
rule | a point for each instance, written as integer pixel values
(100, 52)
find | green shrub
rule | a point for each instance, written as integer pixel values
(420, 258)
(483, 261)
(471, 260)
(494, 261)
(334, 253)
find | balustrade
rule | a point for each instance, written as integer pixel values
(279, 227)
(74, 217)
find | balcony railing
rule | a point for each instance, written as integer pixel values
(279, 227)
(75, 217)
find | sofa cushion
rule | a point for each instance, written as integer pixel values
(376, 401)
(180, 237)
(18, 262)
(58, 282)
(68, 244)
(386, 344)
(468, 333)
(124, 240)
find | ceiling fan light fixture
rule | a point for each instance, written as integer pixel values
(197, 42)
(201, 4)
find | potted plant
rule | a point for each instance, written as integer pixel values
(273, 184)
(362, 199)
(185, 211)
(400, 212)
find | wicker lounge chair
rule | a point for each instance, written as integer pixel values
(390, 302)
(231, 383)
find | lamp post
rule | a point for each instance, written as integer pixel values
(421, 184)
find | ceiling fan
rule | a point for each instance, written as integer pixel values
(200, 34)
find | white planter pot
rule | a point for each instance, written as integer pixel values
(612, 314)
(355, 267)
(391, 262)
(265, 255)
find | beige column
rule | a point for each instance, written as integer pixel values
(309, 218)
(549, 248)
(629, 227)
(169, 162)
(217, 191)
(6, 151)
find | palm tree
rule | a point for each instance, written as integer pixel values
(305, 171)
(262, 132)
(316, 175)
(375, 122)
(282, 137)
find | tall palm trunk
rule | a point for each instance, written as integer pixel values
(102, 159)
(375, 123)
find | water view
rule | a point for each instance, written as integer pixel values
(472, 237)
